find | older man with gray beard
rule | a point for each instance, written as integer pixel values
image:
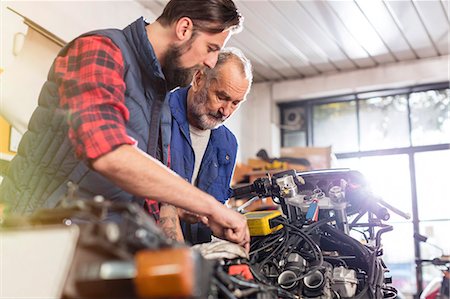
(202, 150)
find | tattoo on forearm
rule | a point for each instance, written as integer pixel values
(170, 223)
(171, 233)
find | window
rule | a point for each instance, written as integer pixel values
(384, 122)
(430, 117)
(335, 124)
(296, 138)
(432, 178)
(400, 141)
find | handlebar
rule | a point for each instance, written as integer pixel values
(357, 194)
(439, 261)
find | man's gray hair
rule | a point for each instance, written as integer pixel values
(228, 54)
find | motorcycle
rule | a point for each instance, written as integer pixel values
(308, 249)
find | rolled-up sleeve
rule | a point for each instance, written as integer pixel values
(92, 93)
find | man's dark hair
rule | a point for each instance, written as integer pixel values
(212, 16)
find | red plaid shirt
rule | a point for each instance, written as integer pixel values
(91, 89)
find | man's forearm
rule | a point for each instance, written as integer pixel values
(170, 223)
(136, 172)
(142, 175)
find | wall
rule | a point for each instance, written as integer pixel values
(23, 78)
(393, 75)
(68, 19)
(256, 129)
(26, 55)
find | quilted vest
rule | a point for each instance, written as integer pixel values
(46, 162)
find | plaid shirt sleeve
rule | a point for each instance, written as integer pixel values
(92, 89)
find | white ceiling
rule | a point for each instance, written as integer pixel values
(298, 39)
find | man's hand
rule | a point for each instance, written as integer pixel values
(230, 225)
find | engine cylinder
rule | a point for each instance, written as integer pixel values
(286, 276)
(314, 281)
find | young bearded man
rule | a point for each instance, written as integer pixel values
(99, 115)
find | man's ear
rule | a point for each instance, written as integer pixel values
(183, 29)
(198, 80)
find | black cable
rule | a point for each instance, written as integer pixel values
(247, 292)
(360, 215)
(293, 243)
(391, 290)
(273, 264)
(257, 240)
(366, 256)
(374, 274)
(319, 223)
(307, 238)
(363, 291)
(362, 251)
(275, 240)
(336, 294)
(272, 253)
(362, 233)
(335, 258)
(223, 288)
(285, 293)
(384, 228)
(257, 276)
(275, 251)
(244, 283)
(282, 245)
(314, 247)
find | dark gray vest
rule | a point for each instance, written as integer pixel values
(45, 161)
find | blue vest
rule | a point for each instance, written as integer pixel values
(45, 161)
(217, 165)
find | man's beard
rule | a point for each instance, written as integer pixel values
(198, 112)
(175, 74)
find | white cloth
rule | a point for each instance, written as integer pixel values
(221, 249)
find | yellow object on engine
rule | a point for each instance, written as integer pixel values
(259, 222)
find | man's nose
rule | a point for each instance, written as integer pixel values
(211, 59)
(226, 109)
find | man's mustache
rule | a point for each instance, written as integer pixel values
(219, 116)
